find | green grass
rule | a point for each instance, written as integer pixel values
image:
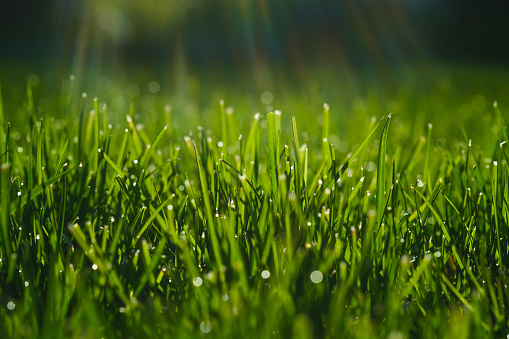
(354, 226)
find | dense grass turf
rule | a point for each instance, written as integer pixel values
(341, 226)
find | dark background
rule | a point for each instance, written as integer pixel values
(235, 35)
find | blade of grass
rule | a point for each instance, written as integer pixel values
(325, 130)
(272, 140)
(426, 174)
(494, 209)
(277, 125)
(33, 193)
(153, 147)
(437, 217)
(456, 293)
(4, 215)
(222, 117)
(96, 135)
(113, 165)
(208, 213)
(501, 122)
(136, 142)
(380, 178)
(347, 164)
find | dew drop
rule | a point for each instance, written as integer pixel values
(206, 326)
(197, 281)
(265, 274)
(316, 277)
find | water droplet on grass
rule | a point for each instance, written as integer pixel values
(395, 335)
(11, 306)
(265, 274)
(291, 196)
(197, 281)
(206, 326)
(316, 277)
(370, 166)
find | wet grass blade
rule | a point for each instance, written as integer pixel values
(110, 162)
(136, 142)
(380, 178)
(435, 213)
(347, 164)
(33, 193)
(272, 140)
(501, 123)
(495, 208)
(208, 210)
(325, 131)
(96, 135)
(153, 147)
(456, 293)
(4, 215)
(426, 174)
(222, 117)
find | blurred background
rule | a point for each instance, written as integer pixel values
(246, 35)
(168, 38)
(320, 50)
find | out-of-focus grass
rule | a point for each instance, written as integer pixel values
(122, 216)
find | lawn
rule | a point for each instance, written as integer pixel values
(326, 207)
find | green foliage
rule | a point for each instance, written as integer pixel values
(111, 231)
